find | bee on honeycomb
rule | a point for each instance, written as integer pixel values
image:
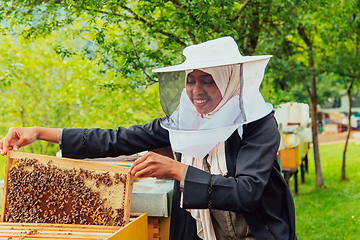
(41, 192)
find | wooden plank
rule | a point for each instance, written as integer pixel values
(46, 237)
(69, 162)
(128, 194)
(164, 228)
(153, 222)
(153, 228)
(5, 190)
(4, 226)
(135, 230)
(159, 228)
(153, 234)
(55, 231)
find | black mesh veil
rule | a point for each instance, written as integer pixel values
(241, 101)
(171, 85)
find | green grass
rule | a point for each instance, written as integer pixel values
(332, 212)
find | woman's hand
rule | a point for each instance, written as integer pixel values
(18, 137)
(155, 165)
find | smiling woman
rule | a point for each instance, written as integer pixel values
(202, 91)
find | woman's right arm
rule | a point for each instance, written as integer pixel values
(96, 143)
(91, 143)
(18, 137)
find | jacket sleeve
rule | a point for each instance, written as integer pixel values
(95, 142)
(252, 163)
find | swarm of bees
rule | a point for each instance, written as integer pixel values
(46, 193)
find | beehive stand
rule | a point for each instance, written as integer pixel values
(46, 189)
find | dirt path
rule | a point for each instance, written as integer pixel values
(335, 137)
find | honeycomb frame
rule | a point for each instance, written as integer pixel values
(65, 191)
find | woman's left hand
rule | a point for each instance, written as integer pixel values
(155, 165)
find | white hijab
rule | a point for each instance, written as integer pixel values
(227, 79)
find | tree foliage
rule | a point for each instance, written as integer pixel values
(39, 88)
(293, 38)
(130, 38)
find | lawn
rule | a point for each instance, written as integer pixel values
(332, 212)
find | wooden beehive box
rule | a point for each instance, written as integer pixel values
(290, 157)
(46, 189)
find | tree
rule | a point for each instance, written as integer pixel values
(343, 39)
(292, 36)
(39, 88)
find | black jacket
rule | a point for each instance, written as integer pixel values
(254, 185)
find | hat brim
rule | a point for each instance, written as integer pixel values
(203, 64)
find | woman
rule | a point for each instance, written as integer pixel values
(228, 184)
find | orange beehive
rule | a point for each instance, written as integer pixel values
(290, 157)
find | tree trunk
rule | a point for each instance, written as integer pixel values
(343, 172)
(314, 128)
(313, 106)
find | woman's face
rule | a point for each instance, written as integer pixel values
(202, 91)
